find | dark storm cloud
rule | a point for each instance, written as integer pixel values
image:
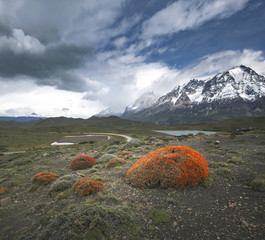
(5, 29)
(52, 66)
(69, 81)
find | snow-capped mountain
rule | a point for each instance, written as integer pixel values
(237, 92)
(107, 113)
(146, 100)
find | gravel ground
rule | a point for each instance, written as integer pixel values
(228, 209)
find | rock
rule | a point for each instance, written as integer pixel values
(5, 201)
(217, 142)
(245, 223)
(175, 224)
(170, 200)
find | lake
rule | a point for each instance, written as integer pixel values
(186, 132)
(70, 140)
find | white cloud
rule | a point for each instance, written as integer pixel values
(116, 82)
(182, 15)
(92, 25)
(221, 61)
(20, 43)
(119, 42)
(45, 101)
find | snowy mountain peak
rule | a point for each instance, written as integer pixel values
(107, 113)
(240, 86)
(238, 82)
(144, 101)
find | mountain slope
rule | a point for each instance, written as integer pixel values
(234, 93)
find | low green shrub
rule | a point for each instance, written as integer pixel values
(160, 216)
(106, 157)
(210, 179)
(224, 172)
(63, 183)
(258, 183)
(90, 221)
(218, 164)
(133, 143)
(235, 160)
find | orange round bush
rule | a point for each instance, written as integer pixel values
(172, 166)
(3, 190)
(44, 177)
(82, 162)
(85, 186)
(126, 153)
(116, 161)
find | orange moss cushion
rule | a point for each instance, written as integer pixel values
(44, 177)
(82, 162)
(126, 153)
(172, 166)
(85, 186)
(116, 161)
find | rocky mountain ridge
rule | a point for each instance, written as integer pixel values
(234, 93)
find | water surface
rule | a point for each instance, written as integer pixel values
(186, 132)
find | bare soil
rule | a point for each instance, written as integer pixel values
(228, 209)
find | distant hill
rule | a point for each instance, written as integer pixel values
(95, 124)
(20, 119)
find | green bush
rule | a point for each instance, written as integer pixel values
(133, 143)
(258, 183)
(159, 216)
(90, 222)
(105, 158)
(235, 160)
(113, 149)
(218, 164)
(63, 183)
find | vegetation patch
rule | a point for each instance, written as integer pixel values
(85, 186)
(44, 177)
(172, 166)
(218, 164)
(124, 153)
(160, 216)
(258, 183)
(115, 162)
(90, 221)
(224, 172)
(210, 179)
(63, 183)
(133, 143)
(235, 160)
(105, 158)
(82, 162)
(3, 190)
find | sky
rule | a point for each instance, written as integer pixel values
(77, 58)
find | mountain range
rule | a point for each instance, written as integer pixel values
(237, 92)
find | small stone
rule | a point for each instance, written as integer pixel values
(217, 142)
(231, 205)
(170, 200)
(244, 223)
(5, 201)
(174, 224)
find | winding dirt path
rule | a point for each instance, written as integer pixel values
(128, 138)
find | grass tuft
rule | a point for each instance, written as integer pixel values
(258, 183)
(160, 216)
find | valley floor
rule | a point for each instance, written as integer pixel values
(228, 208)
